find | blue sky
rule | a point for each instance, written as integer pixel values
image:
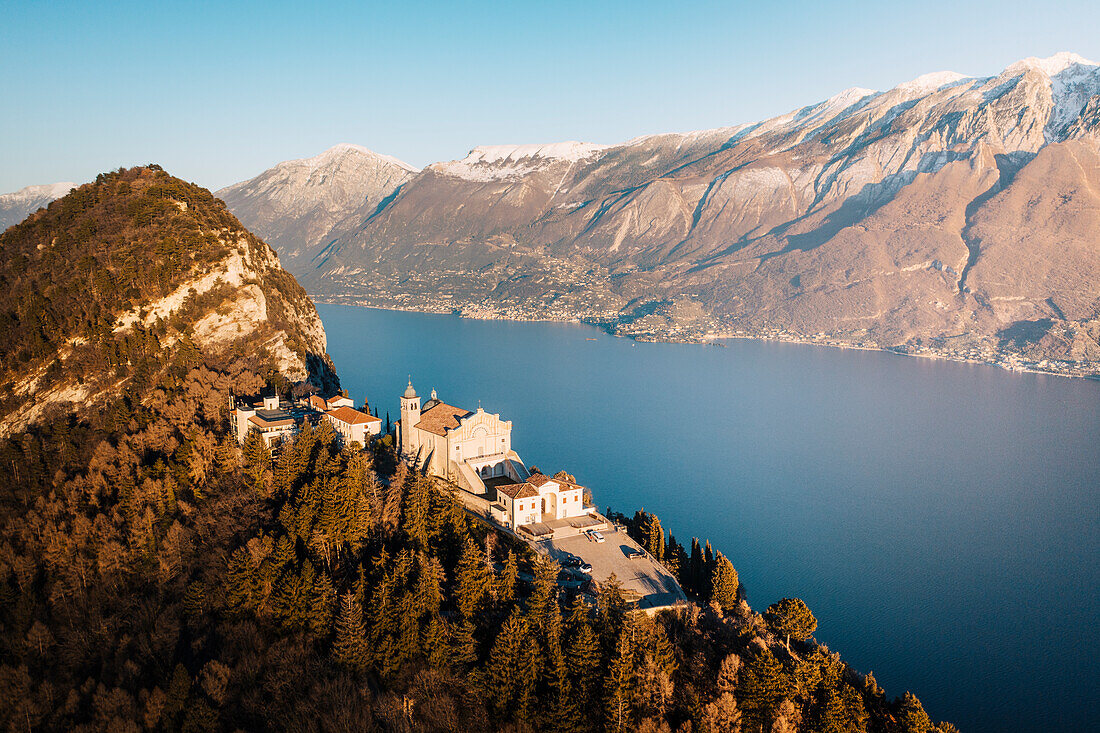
(217, 92)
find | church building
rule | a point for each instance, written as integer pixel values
(473, 449)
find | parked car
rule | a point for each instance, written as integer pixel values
(575, 563)
(635, 554)
(595, 536)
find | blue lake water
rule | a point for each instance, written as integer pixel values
(941, 520)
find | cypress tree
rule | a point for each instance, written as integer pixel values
(695, 568)
(724, 583)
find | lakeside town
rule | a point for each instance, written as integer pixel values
(712, 330)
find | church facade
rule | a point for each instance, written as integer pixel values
(473, 449)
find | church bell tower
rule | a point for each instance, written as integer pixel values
(410, 416)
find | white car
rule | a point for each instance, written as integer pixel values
(595, 536)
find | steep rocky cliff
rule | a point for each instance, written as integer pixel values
(121, 278)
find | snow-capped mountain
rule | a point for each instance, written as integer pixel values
(15, 207)
(294, 204)
(948, 205)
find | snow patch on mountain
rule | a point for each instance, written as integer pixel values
(341, 149)
(1070, 90)
(1051, 65)
(48, 191)
(926, 83)
(494, 162)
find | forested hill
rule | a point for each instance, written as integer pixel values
(103, 289)
(155, 575)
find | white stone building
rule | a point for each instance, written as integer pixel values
(474, 451)
(266, 417)
(352, 425)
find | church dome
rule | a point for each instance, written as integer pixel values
(409, 391)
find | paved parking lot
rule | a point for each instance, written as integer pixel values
(655, 587)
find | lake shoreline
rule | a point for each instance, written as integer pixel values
(1007, 362)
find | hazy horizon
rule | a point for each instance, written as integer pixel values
(220, 94)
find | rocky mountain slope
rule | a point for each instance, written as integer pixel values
(14, 207)
(294, 204)
(951, 215)
(114, 283)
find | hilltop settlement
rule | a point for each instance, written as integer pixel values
(469, 453)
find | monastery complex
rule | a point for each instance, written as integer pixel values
(473, 449)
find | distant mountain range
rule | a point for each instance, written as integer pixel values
(15, 207)
(295, 204)
(951, 215)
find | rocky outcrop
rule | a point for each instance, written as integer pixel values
(118, 283)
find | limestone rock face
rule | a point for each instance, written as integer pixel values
(294, 204)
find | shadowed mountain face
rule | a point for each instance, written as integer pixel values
(939, 212)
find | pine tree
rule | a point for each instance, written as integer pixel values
(584, 656)
(507, 678)
(724, 583)
(350, 647)
(257, 462)
(761, 687)
(415, 508)
(435, 643)
(542, 604)
(322, 605)
(473, 580)
(912, 717)
(464, 653)
(619, 687)
(791, 617)
(506, 581)
(842, 711)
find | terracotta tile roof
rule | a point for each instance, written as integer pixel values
(350, 416)
(518, 491)
(441, 417)
(318, 403)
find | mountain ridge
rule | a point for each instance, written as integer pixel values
(849, 221)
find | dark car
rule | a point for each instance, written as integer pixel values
(575, 563)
